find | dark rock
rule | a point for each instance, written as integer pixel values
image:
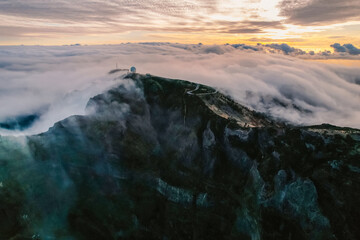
(151, 161)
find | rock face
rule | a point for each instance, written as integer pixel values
(157, 159)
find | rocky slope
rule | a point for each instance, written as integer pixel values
(168, 159)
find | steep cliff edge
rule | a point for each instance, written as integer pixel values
(159, 158)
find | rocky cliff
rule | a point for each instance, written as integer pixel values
(159, 158)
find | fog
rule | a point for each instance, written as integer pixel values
(57, 82)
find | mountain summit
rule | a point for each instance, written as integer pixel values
(159, 158)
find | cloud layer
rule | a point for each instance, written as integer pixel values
(51, 18)
(56, 82)
(345, 51)
(59, 22)
(319, 12)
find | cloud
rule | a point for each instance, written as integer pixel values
(248, 26)
(346, 51)
(276, 40)
(55, 82)
(50, 83)
(244, 46)
(334, 37)
(272, 24)
(338, 48)
(96, 21)
(44, 19)
(90, 11)
(346, 48)
(319, 12)
(352, 49)
(243, 30)
(86, 17)
(285, 48)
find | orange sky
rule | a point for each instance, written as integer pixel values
(305, 24)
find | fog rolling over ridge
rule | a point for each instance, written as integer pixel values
(48, 84)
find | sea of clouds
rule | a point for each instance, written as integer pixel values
(56, 82)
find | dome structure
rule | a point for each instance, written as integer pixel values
(133, 69)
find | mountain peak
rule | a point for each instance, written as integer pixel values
(160, 158)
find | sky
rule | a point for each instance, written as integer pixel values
(306, 24)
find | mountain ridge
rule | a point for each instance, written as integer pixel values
(151, 161)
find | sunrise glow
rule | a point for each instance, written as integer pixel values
(210, 22)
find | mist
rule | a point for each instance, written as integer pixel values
(53, 83)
